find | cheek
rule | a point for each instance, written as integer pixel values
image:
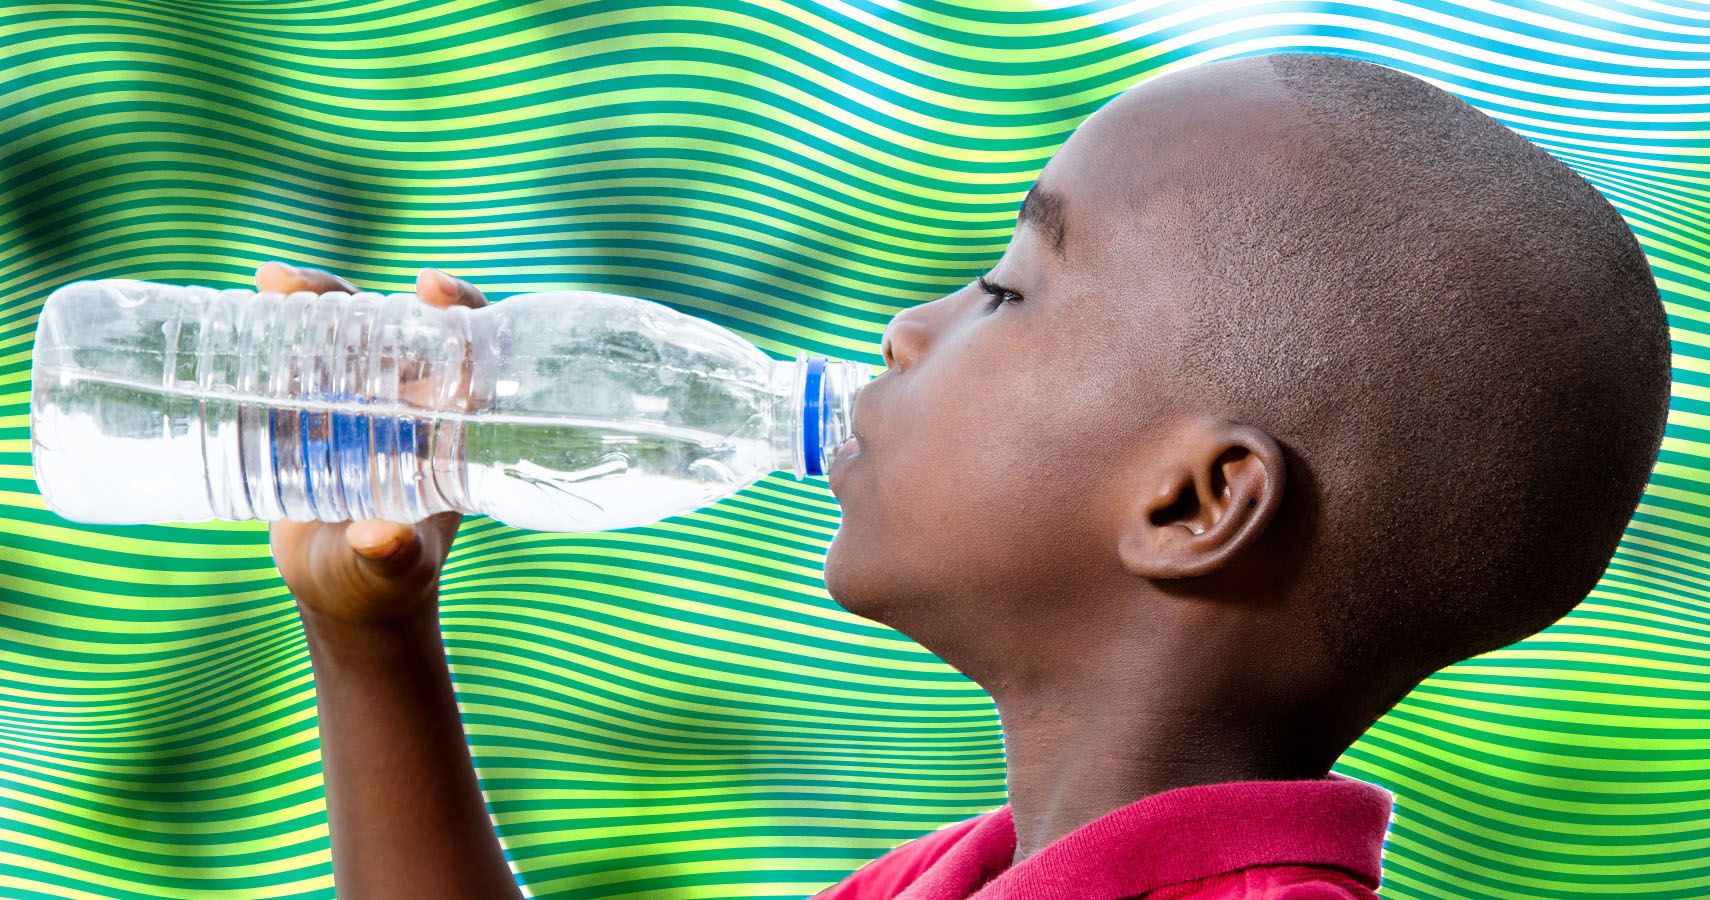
(934, 466)
(990, 474)
(996, 475)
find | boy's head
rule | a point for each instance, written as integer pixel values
(1303, 376)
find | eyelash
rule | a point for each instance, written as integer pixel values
(998, 293)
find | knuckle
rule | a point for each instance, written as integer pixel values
(322, 281)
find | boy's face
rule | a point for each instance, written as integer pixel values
(1005, 441)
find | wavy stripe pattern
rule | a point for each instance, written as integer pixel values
(679, 711)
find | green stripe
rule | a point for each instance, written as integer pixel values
(679, 711)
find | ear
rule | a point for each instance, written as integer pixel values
(1207, 496)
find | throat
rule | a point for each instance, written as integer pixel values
(1069, 763)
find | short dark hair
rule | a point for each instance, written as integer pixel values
(1456, 338)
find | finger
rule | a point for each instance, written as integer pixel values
(383, 548)
(377, 538)
(286, 532)
(453, 390)
(439, 289)
(275, 277)
(438, 531)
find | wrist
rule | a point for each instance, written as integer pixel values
(342, 642)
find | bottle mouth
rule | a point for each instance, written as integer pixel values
(828, 392)
(815, 422)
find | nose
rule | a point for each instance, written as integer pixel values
(910, 334)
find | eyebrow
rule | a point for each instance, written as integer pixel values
(1045, 210)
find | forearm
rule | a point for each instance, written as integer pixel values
(406, 812)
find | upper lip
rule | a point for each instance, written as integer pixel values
(838, 460)
(857, 416)
(863, 400)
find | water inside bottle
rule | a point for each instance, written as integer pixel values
(335, 459)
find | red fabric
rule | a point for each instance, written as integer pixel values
(1317, 839)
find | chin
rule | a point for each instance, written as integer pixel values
(868, 579)
(858, 579)
(842, 572)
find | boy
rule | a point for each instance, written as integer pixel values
(1300, 380)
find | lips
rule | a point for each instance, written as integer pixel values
(846, 451)
(851, 448)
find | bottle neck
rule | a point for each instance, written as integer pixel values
(813, 412)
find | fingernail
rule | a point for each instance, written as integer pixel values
(382, 549)
(444, 282)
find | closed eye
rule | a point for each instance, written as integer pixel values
(998, 293)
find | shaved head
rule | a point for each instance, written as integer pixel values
(1454, 336)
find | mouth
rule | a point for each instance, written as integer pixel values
(846, 452)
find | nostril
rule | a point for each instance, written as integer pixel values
(906, 338)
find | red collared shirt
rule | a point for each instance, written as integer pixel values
(1317, 839)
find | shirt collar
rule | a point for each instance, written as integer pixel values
(1177, 836)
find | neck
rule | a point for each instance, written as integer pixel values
(1084, 740)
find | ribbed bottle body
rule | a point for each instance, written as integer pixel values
(158, 403)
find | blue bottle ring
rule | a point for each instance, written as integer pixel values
(340, 448)
(813, 417)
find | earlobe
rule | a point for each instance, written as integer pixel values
(1204, 505)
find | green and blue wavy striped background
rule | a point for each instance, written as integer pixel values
(678, 711)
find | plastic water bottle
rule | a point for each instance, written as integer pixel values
(562, 411)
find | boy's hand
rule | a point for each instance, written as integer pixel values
(372, 574)
(403, 803)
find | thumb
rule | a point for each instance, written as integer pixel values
(383, 548)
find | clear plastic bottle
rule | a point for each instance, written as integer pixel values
(562, 411)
